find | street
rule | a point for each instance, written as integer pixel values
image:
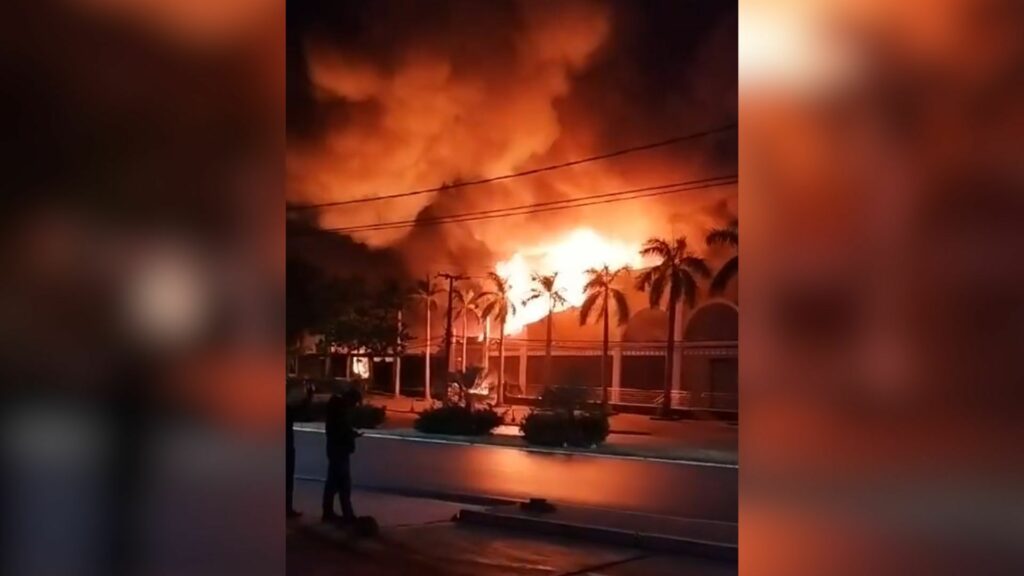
(662, 488)
(419, 538)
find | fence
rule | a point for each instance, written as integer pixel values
(642, 398)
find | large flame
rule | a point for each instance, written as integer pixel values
(570, 257)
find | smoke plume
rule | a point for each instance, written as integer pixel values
(386, 97)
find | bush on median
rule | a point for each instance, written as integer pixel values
(589, 429)
(544, 428)
(560, 428)
(458, 421)
(368, 416)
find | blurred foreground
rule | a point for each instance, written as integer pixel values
(882, 321)
(141, 428)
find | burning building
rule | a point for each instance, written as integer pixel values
(405, 120)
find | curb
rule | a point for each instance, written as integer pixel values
(468, 441)
(601, 535)
(456, 497)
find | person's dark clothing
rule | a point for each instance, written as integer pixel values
(339, 483)
(341, 436)
(341, 443)
(289, 438)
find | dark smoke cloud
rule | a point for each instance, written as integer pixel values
(385, 97)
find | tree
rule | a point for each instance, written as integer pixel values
(498, 305)
(544, 286)
(727, 236)
(601, 296)
(365, 319)
(675, 275)
(424, 291)
(463, 298)
(310, 299)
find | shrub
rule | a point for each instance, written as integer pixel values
(568, 398)
(457, 420)
(366, 416)
(558, 428)
(545, 428)
(486, 419)
(589, 429)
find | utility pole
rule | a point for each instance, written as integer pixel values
(398, 358)
(426, 351)
(452, 279)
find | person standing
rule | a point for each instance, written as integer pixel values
(341, 443)
(294, 403)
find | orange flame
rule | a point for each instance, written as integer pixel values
(569, 257)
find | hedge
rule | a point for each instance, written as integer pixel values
(560, 428)
(458, 420)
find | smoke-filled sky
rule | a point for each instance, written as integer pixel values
(390, 96)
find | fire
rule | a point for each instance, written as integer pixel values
(570, 257)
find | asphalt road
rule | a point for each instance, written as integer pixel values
(670, 489)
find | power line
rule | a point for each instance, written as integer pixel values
(536, 208)
(509, 176)
(507, 208)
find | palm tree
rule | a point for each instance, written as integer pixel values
(425, 290)
(677, 271)
(464, 300)
(544, 287)
(601, 296)
(498, 305)
(727, 236)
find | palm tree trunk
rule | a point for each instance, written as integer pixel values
(501, 365)
(604, 357)
(465, 325)
(426, 373)
(670, 354)
(487, 345)
(547, 351)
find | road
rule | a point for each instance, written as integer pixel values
(419, 538)
(672, 489)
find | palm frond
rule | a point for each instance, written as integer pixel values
(621, 271)
(680, 247)
(557, 298)
(480, 298)
(500, 282)
(656, 247)
(725, 274)
(656, 289)
(643, 281)
(723, 237)
(689, 289)
(621, 306)
(696, 265)
(595, 282)
(490, 309)
(588, 306)
(533, 295)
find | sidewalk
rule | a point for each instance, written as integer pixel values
(632, 436)
(417, 537)
(709, 539)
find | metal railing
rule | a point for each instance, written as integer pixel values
(635, 397)
(639, 397)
